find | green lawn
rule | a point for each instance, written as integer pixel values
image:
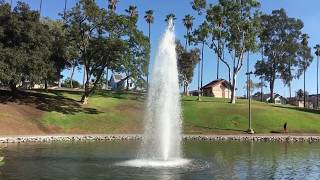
(123, 113)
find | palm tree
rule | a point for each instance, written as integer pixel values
(300, 94)
(170, 16)
(199, 36)
(317, 48)
(132, 11)
(188, 23)
(304, 42)
(150, 19)
(113, 5)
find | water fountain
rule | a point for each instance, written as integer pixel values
(161, 144)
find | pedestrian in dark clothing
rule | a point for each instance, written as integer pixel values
(285, 130)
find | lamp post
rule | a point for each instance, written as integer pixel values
(250, 130)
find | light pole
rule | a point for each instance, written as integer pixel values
(250, 130)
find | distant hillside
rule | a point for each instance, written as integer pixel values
(59, 112)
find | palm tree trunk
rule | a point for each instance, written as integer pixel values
(317, 82)
(149, 59)
(261, 91)
(199, 79)
(40, 9)
(186, 46)
(65, 8)
(202, 66)
(248, 79)
(304, 88)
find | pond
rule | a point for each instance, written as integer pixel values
(207, 160)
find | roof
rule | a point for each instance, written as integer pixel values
(224, 82)
(117, 77)
(267, 96)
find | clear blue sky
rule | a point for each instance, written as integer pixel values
(306, 10)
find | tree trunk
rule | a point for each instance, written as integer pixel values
(87, 90)
(186, 46)
(107, 77)
(86, 94)
(71, 77)
(261, 90)
(13, 87)
(304, 88)
(233, 88)
(149, 59)
(84, 76)
(202, 67)
(46, 85)
(59, 78)
(272, 91)
(199, 79)
(127, 82)
(290, 94)
(318, 81)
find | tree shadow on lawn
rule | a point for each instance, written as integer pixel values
(46, 102)
(299, 109)
(224, 129)
(130, 95)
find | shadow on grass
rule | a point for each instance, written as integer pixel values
(46, 102)
(131, 95)
(223, 129)
(299, 109)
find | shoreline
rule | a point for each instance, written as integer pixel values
(136, 137)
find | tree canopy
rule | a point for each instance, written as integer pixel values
(284, 46)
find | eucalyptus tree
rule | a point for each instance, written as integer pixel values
(186, 62)
(280, 38)
(188, 23)
(150, 20)
(233, 27)
(317, 53)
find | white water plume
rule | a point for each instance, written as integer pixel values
(162, 136)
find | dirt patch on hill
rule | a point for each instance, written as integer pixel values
(23, 119)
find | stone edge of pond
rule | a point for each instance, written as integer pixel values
(124, 137)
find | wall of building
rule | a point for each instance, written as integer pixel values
(218, 91)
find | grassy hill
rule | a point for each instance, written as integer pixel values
(107, 112)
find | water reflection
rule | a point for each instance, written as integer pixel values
(211, 160)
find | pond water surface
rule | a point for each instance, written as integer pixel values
(207, 160)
